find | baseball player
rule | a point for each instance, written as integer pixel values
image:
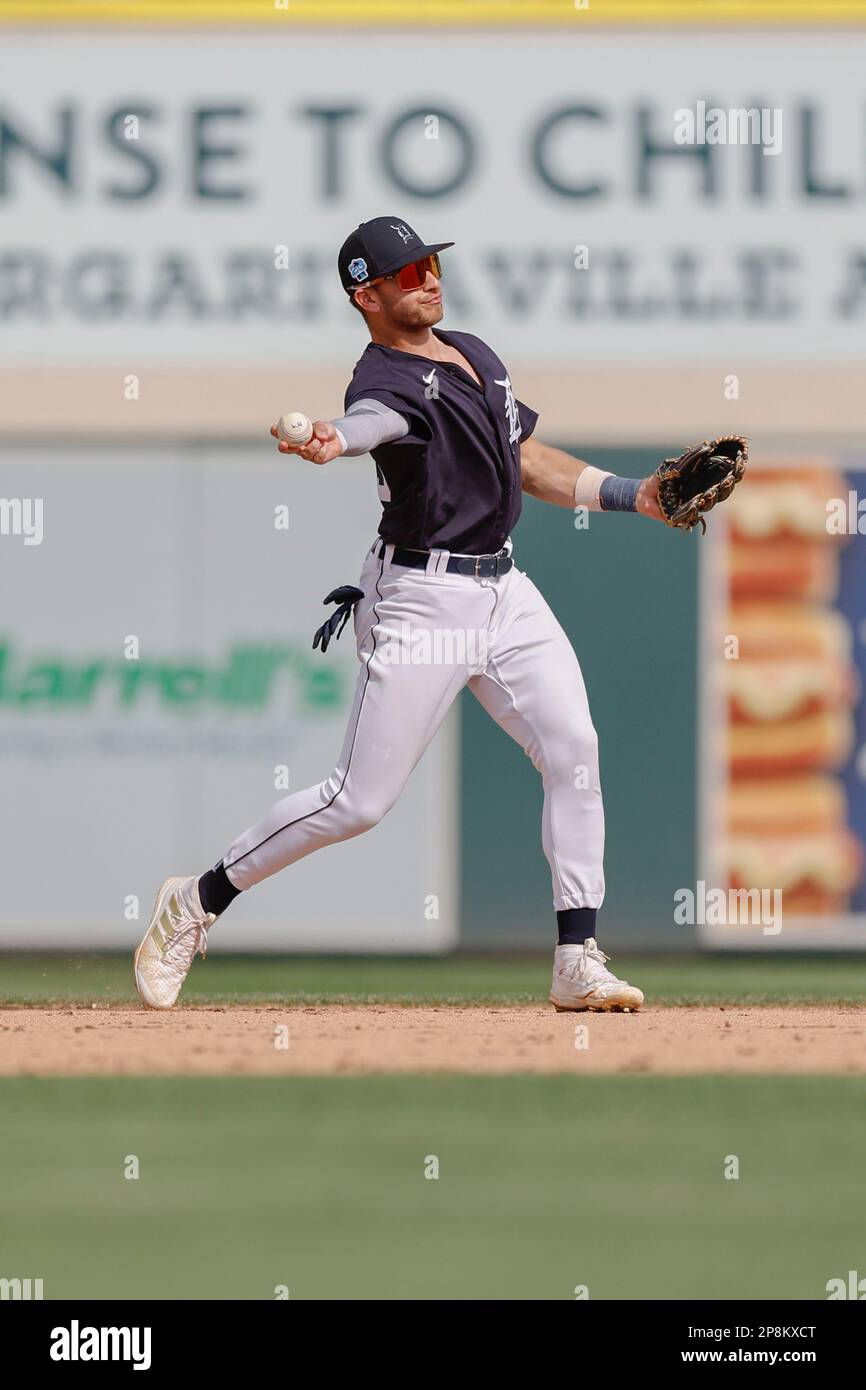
(454, 450)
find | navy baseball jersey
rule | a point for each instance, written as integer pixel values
(452, 482)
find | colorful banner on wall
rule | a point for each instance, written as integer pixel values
(784, 676)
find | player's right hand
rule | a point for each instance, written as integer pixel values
(324, 445)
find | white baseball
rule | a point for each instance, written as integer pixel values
(294, 428)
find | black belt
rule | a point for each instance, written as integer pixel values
(477, 566)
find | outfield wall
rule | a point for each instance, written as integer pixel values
(159, 691)
(172, 200)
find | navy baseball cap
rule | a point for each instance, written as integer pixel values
(380, 247)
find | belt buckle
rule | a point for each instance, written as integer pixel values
(492, 570)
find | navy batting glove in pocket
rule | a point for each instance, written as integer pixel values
(346, 596)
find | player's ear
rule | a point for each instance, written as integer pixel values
(366, 301)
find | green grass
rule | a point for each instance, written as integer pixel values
(698, 979)
(545, 1183)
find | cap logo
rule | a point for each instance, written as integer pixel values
(403, 232)
(358, 268)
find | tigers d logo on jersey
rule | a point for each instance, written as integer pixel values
(511, 413)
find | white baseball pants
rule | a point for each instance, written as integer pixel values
(421, 637)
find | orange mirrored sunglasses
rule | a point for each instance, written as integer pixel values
(412, 276)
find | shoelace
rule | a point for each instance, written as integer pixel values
(587, 954)
(598, 955)
(176, 936)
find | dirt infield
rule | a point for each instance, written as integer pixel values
(338, 1039)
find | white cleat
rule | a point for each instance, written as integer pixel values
(177, 931)
(581, 980)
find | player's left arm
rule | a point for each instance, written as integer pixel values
(554, 476)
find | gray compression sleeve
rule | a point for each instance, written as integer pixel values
(366, 424)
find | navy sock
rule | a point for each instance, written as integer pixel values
(216, 890)
(575, 924)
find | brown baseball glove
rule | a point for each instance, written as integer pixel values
(700, 478)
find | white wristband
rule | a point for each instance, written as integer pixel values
(587, 488)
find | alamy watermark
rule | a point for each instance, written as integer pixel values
(846, 516)
(21, 1290)
(405, 645)
(22, 516)
(77, 1343)
(853, 1287)
(738, 125)
(729, 907)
